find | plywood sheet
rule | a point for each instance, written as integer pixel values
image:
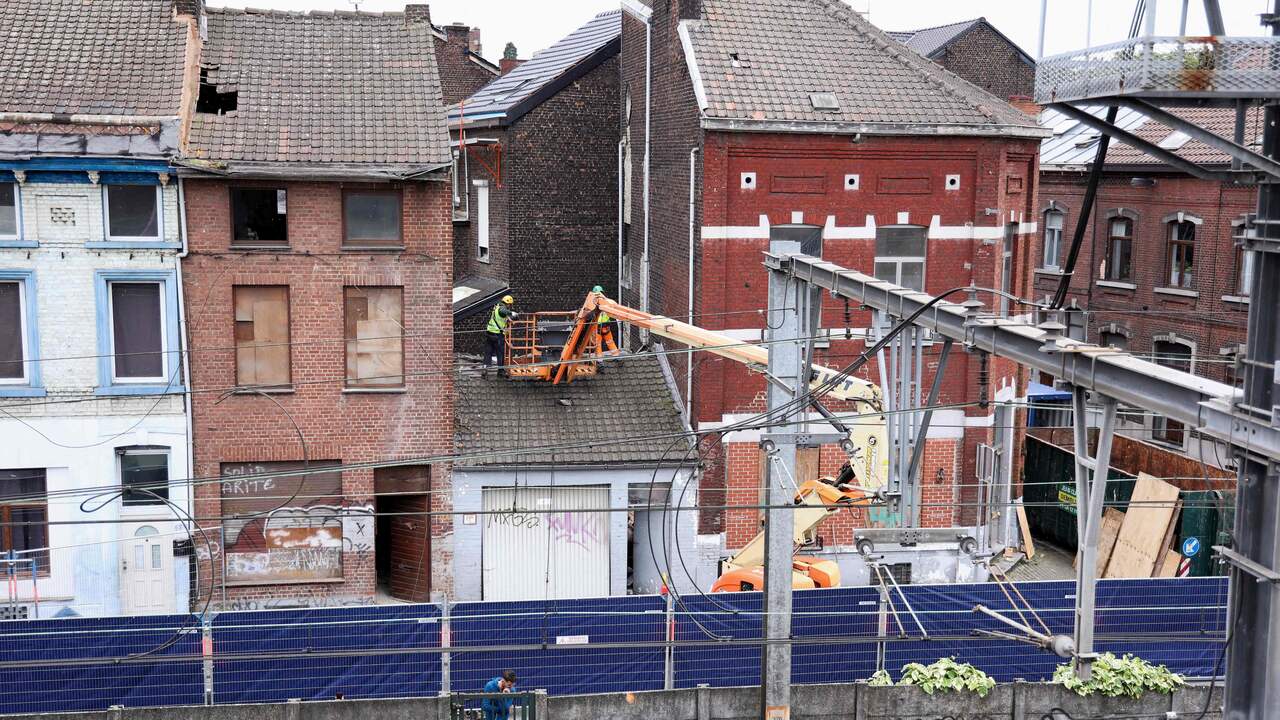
(1169, 565)
(1140, 544)
(1028, 546)
(1112, 519)
(1168, 534)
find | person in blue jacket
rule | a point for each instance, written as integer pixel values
(498, 708)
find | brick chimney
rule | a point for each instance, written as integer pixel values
(690, 9)
(506, 65)
(189, 7)
(417, 14)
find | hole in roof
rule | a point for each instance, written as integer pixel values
(736, 61)
(824, 101)
(1087, 140)
(212, 102)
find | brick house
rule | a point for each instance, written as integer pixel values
(535, 185)
(1158, 273)
(318, 285)
(462, 69)
(978, 52)
(92, 379)
(760, 132)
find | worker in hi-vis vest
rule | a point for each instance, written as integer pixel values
(604, 327)
(496, 332)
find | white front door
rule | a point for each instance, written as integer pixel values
(545, 543)
(146, 573)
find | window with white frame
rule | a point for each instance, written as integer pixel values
(482, 220)
(8, 211)
(1244, 271)
(132, 212)
(461, 186)
(1182, 249)
(900, 255)
(14, 351)
(136, 320)
(1053, 221)
(1172, 353)
(144, 475)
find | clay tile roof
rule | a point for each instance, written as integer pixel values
(761, 60)
(107, 57)
(569, 58)
(352, 88)
(630, 400)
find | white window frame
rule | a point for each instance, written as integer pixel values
(1054, 262)
(106, 216)
(461, 186)
(17, 212)
(1244, 272)
(23, 331)
(482, 221)
(121, 452)
(900, 260)
(163, 377)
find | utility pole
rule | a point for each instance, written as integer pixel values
(1253, 655)
(787, 317)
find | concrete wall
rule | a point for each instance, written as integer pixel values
(1018, 701)
(468, 493)
(61, 426)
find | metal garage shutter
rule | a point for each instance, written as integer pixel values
(529, 553)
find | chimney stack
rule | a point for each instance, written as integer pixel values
(690, 10)
(416, 14)
(506, 65)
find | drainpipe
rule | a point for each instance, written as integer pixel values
(183, 343)
(648, 83)
(621, 200)
(688, 358)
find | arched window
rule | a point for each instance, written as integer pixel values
(1181, 249)
(1171, 352)
(1118, 264)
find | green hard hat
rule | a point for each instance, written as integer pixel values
(597, 289)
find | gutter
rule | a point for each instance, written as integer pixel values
(308, 171)
(66, 119)
(688, 359)
(833, 127)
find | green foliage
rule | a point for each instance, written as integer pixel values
(880, 679)
(946, 674)
(1113, 677)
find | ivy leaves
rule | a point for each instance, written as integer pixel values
(945, 674)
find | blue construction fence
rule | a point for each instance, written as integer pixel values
(582, 646)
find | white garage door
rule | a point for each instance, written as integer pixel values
(538, 547)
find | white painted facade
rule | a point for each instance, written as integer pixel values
(627, 546)
(63, 419)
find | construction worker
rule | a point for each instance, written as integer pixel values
(495, 333)
(604, 327)
(499, 708)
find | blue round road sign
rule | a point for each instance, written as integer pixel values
(1190, 546)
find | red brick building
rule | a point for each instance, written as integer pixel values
(822, 122)
(317, 288)
(1158, 273)
(978, 52)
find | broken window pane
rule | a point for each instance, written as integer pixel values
(11, 331)
(374, 333)
(137, 330)
(372, 218)
(8, 210)
(258, 216)
(144, 469)
(133, 211)
(262, 335)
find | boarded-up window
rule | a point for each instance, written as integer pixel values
(282, 529)
(375, 337)
(262, 335)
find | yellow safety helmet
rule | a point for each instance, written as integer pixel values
(508, 300)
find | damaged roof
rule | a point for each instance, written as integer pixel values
(931, 41)
(631, 399)
(508, 97)
(357, 89)
(816, 65)
(107, 57)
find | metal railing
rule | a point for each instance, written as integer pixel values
(469, 706)
(1202, 67)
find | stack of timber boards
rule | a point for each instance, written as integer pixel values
(1142, 544)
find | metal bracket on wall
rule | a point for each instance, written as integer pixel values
(1263, 574)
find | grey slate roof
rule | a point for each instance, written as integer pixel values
(787, 49)
(631, 399)
(1074, 145)
(930, 40)
(106, 57)
(517, 92)
(323, 88)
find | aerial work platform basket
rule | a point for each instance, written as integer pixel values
(536, 341)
